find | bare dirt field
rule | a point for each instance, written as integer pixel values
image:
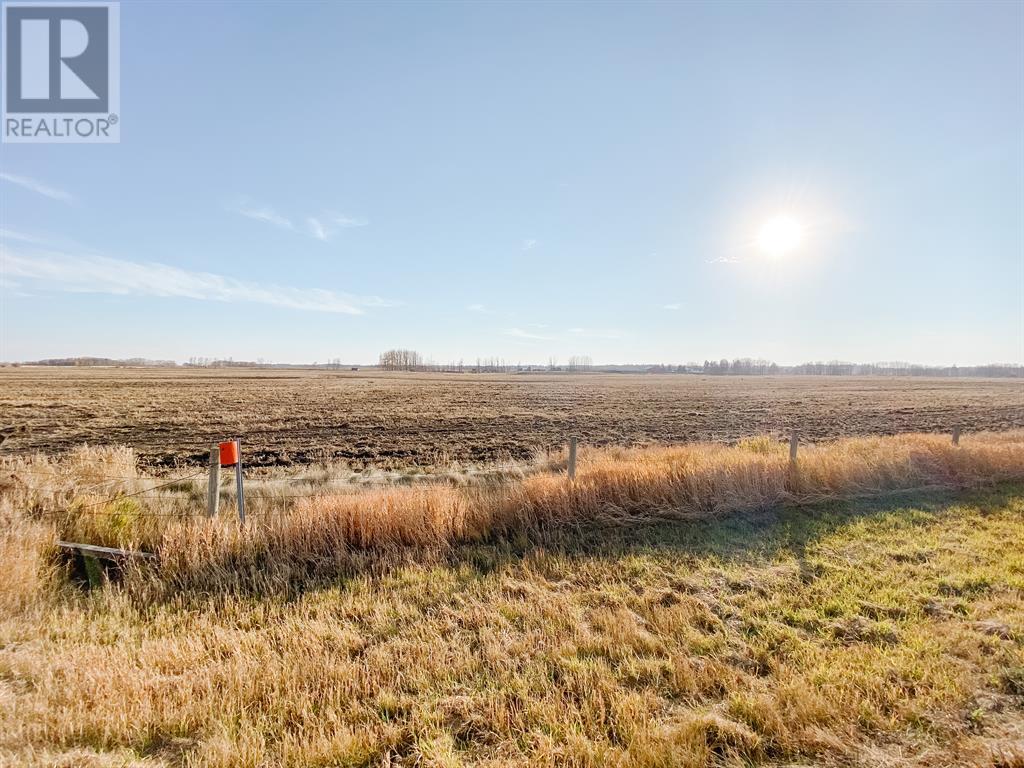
(393, 419)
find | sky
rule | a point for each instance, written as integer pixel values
(636, 182)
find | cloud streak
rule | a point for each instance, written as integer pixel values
(571, 333)
(519, 333)
(38, 187)
(267, 214)
(316, 228)
(10, 234)
(100, 274)
(594, 333)
(347, 222)
(320, 227)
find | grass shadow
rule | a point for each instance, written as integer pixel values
(744, 536)
(751, 536)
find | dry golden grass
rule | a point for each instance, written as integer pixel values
(623, 620)
(327, 534)
(289, 540)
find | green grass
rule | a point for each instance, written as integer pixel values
(867, 633)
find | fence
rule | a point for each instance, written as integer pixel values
(229, 454)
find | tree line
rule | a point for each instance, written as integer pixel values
(410, 360)
(743, 366)
(751, 367)
(401, 360)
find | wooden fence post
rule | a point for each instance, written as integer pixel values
(213, 489)
(956, 435)
(572, 458)
(794, 441)
(238, 483)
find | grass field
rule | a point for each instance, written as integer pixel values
(384, 420)
(687, 606)
(878, 634)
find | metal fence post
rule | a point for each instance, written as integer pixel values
(238, 483)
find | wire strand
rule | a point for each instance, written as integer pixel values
(64, 512)
(139, 493)
(55, 471)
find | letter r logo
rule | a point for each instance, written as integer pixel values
(56, 58)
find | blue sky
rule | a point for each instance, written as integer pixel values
(305, 181)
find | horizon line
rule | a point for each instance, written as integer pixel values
(481, 362)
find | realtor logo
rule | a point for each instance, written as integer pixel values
(61, 72)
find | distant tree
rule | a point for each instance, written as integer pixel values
(401, 360)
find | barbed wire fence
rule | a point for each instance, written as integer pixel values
(97, 508)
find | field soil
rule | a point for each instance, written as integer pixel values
(289, 417)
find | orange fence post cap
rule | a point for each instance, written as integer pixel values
(228, 454)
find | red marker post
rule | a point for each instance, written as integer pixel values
(231, 453)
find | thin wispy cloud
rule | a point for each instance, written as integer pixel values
(347, 222)
(267, 214)
(672, 307)
(519, 333)
(99, 274)
(320, 226)
(316, 228)
(723, 260)
(529, 244)
(477, 308)
(38, 187)
(10, 234)
(567, 335)
(595, 333)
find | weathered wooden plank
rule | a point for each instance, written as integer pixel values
(213, 488)
(109, 553)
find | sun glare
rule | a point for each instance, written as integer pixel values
(780, 235)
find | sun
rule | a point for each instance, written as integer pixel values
(780, 235)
